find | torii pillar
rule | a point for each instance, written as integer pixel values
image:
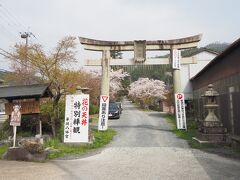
(176, 76)
(105, 72)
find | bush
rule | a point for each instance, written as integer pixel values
(46, 109)
(3, 150)
(3, 135)
(27, 128)
(52, 143)
(29, 123)
(6, 130)
(47, 113)
(60, 132)
(93, 109)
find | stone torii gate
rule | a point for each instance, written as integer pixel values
(139, 47)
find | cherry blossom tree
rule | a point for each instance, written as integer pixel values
(116, 78)
(147, 91)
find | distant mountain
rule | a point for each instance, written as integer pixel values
(217, 46)
(3, 73)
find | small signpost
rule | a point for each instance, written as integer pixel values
(176, 59)
(180, 111)
(103, 113)
(15, 121)
(76, 126)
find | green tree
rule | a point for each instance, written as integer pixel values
(116, 54)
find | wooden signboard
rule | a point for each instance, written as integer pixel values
(27, 107)
(16, 116)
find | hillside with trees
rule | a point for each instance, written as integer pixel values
(3, 74)
(217, 46)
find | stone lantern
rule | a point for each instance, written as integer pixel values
(211, 105)
(211, 129)
(80, 90)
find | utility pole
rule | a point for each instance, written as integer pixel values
(26, 35)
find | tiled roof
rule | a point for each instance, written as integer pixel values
(25, 91)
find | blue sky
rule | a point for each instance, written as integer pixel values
(50, 20)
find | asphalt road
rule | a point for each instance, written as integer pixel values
(143, 149)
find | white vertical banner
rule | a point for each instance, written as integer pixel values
(103, 113)
(176, 59)
(76, 118)
(180, 111)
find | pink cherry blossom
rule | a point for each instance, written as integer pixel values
(116, 78)
(147, 91)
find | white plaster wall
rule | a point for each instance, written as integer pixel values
(189, 71)
(2, 106)
(203, 59)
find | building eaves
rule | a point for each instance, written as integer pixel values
(25, 91)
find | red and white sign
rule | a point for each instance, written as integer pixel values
(179, 96)
(104, 98)
(180, 111)
(176, 59)
(76, 118)
(103, 113)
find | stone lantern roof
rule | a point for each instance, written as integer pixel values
(210, 92)
(80, 90)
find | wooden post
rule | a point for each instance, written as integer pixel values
(14, 135)
(40, 126)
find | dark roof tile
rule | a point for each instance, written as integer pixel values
(25, 91)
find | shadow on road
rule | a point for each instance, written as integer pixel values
(129, 108)
(140, 126)
(218, 167)
(157, 114)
